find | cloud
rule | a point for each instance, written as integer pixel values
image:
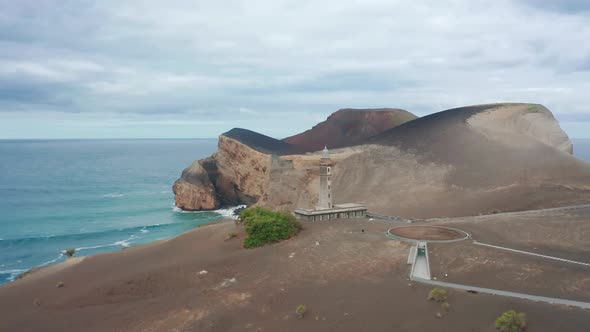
(568, 6)
(228, 62)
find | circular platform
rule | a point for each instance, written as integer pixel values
(427, 234)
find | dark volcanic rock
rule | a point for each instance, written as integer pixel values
(259, 142)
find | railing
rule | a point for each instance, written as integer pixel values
(386, 217)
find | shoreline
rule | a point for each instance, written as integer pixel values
(346, 272)
(43, 270)
(224, 214)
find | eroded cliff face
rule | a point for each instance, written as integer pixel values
(242, 173)
(237, 174)
(194, 190)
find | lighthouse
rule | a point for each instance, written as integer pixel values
(325, 209)
(325, 197)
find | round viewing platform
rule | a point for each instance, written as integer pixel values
(424, 233)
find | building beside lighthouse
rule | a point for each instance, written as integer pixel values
(325, 209)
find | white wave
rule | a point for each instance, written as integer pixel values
(11, 271)
(14, 273)
(123, 243)
(144, 230)
(229, 212)
(95, 247)
(53, 260)
(113, 195)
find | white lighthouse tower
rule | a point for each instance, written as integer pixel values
(324, 209)
(325, 199)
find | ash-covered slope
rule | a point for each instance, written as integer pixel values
(348, 127)
(467, 161)
(259, 142)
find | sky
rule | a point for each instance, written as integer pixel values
(195, 69)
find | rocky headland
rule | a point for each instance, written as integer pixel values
(466, 161)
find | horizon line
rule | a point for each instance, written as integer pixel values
(105, 138)
(145, 138)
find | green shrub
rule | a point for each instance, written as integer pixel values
(438, 295)
(511, 321)
(266, 226)
(445, 306)
(70, 252)
(300, 311)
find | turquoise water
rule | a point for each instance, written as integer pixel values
(93, 195)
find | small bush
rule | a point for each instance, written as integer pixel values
(511, 321)
(70, 252)
(300, 311)
(266, 226)
(438, 295)
(445, 306)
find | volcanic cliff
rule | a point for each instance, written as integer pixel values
(250, 167)
(464, 161)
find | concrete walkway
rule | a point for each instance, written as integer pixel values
(421, 268)
(551, 300)
(532, 253)
(420, 272)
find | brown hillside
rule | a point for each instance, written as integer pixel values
(349, 127)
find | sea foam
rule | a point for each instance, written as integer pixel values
(227, 213)
(113, 195)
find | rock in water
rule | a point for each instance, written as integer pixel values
(194, 190)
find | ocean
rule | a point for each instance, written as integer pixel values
(92, 195)
(582, 148)
(96, 196)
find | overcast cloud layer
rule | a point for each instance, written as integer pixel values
(80, 68)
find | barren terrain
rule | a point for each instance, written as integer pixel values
(349, 275)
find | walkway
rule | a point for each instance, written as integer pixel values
(420, 272)
(421, 269)
(402, 219)
(531, 253)
(551, 300)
